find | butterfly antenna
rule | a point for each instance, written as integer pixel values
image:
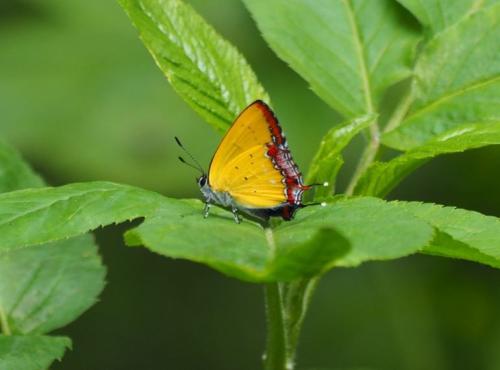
(322, 204)
(197, 165)
(309, 186)
(188, 164)
(325, 184)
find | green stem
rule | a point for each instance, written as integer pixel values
(367, 157)
(4, 325)
(371, 150)
(401, 110)
(275, 357)
(287, 303)
(296, 296)
(286, 307)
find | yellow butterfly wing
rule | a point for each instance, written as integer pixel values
(240, 165)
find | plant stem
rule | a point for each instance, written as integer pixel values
(286, 307)
(367, 157)
(370, 151)
(287, 303)
(275, 357)
(401, 110)
(4, 325)
(296, 296)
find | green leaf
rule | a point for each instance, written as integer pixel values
(45, 288)
(14, 172)
(436, 15)
(457, 81)
(237, 250)
(36, 216)
(42, 288)
(31, 352)
(204, 69)
(75, 209)
(348, 51)
(328, 159)
(251, 253)
(462, 234)
(309, 257)
(382, 177)
(246, 251)
(354, 230)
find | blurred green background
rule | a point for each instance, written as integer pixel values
(82, 99)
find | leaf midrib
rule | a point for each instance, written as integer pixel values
(443, 98)
(360, 56)
(48, 295)
(27, 287)
(270, 240)
(4, 325)
(52, 203)
(476, 6)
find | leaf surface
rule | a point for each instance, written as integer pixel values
(366, 223)
(34, 216)
(347, 233)
(348, 51)
(31, 352)
(462, 233)
(44, 288)
(205, 70)
(180, 231)
(41, 288)
(438, 15)
(457, 81)
(370, 225)
(354, 230)
(382, 177)
(246, 251)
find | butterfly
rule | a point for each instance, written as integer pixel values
(252, 169)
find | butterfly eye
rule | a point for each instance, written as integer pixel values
(202, 181)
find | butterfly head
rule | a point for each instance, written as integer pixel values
(205, 188)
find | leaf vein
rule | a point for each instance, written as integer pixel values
(361, 56)
(27, 287)
(435, 103)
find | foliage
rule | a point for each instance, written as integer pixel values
(456, 81)
(207, 71)
(328, 159)
(382, 177)
(438, 15)
(247, 251)
(350, 52)
(41, 288)
(32, 352)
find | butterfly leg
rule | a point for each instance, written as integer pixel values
(206, 210)
(237, 218)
